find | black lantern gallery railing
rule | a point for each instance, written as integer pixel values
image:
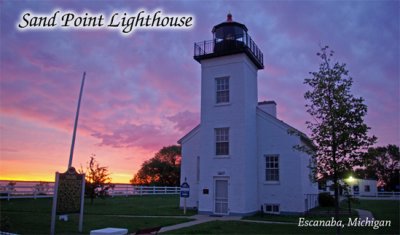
(214, 48)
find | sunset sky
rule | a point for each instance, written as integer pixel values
(142, 91)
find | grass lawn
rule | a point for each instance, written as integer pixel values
(30, 216)
(238, 227)
(315, 213)
(383, 210)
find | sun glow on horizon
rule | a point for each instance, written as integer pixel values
(115, 178)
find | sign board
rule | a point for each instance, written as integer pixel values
(68, 197)
(69, 192)
(185, 190)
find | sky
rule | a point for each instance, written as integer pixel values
(142, 90)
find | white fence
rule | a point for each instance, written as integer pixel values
(129, 190)
(383, 195)
(17, 191)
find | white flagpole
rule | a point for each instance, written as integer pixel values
(76, 122)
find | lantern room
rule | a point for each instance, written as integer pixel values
(229, 38)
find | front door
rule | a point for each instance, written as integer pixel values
(221, 197)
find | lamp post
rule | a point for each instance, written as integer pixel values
(350, 181)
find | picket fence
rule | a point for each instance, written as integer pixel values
(119, 190)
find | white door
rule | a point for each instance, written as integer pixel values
(221, 197)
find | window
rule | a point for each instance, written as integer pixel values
(222, 141)
(222, 89)
(272, 168)
(366, 188)
(272, 208)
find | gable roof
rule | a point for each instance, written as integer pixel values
(190, 134)
(291, 130)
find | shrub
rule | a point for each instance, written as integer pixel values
(326, 200)
(5, 224)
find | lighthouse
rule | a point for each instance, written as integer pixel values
(227, 157)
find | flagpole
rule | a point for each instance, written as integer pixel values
(76, 122)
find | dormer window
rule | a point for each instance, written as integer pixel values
(222, 90)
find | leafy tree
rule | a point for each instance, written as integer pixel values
(337, 128)
(161, 170)
(97, 178)
(383, 164)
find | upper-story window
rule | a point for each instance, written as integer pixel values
(222, 90)
(221, 141)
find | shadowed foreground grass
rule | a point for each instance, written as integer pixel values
(382, 210)
(30, 216)
(29, 223)
(315, 213)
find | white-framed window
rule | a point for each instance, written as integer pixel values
(272, 168)
(222, 90)
(272, 208)
(222, 141)
(367, 188)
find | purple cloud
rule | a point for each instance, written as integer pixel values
(143, 91)
(185, 121)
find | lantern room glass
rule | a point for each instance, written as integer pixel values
(230, 32)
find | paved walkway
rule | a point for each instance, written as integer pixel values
(152, 216)
(364, 214)
(199, 219)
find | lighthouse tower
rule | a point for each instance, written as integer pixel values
(228, 141)
(240, 158)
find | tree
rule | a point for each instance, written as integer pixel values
(383, 164)
(161, 170)
(338, 130)
(97, 178)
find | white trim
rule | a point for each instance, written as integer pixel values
(279, 169)
(215, 90)
(215, 142)
(189, 135)
(221, 178)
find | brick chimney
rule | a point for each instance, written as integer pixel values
(268, 107)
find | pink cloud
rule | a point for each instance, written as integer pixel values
(185, 121)
(131, 135)
(143, 91)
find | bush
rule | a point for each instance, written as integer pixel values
(326, 200)
(5, 224)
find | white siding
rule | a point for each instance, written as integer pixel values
(294, 183)
(252, 134)
(190, 152)
(239, 116)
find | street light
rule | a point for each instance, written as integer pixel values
(351, 179)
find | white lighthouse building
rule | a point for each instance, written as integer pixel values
(240, 158)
